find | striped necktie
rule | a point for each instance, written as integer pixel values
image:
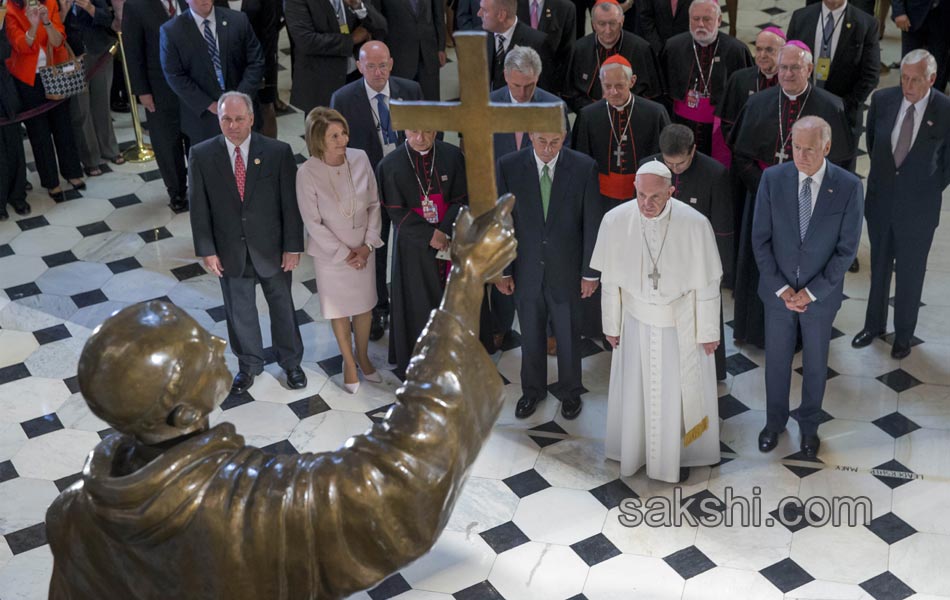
(213, 51)
(804, 208)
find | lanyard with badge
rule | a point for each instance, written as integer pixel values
(823, 65)
(341, 16)
(693, 95)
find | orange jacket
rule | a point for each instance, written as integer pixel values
(23, 58)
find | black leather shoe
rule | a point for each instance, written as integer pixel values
(810, 445)
(526, 406)
(855, 266)
(570, 408)
(178, 204)
(242, 381)
(768, 440)
(684, 474)
(22, 208)
(864, 338)
(900, 350)
(378, 327)
(296, 378)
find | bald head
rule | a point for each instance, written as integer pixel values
(375, 64)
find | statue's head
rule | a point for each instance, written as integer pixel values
(152, 371)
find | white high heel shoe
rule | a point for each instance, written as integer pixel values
(373, 377)
(351, 388)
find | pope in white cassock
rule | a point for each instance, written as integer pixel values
(660, 273)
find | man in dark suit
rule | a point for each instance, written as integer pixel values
(466, 16)
(554, 18)
(141, 24)
(365, 105)
(662, 19)
(500, 18)
(908, 137)
(805, 234)
(325, 36)
(416, 40)
(925, 24)
(206, 51)
(247, 228)
(556, 219)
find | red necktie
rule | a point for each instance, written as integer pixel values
(519, 135)
(171, 8)
(239, 173)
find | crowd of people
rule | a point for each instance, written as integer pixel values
(741, 166)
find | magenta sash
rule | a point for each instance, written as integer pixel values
(706, 113)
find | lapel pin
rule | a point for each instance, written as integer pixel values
(716, 59)
(848, 25)
(584, 76)
(692, 200)
(830, 190)
(445, 178)
(930, 123)
(547, 13)
(257, 161)
(224, 23)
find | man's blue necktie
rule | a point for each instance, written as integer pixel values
(804, 208)
(385, 125)
(213, 51)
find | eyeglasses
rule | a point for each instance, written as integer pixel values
(374, 67)
(791, 68)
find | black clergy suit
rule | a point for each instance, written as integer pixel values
(553, 255)
(249, 237)
(190, 73)
(658, 23)
(557, 21)
(522, 35)
(903, 206)
(415, 38)
(141, 24)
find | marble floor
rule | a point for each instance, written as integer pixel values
(540, 517)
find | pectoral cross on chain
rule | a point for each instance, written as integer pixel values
(655, 277)
(781, 156)
(619, 154)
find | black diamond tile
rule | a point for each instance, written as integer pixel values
(285, 51)
(578, 597)
(27, 539)
(738, 364)
(836, 333)
(595, 549)
(299, 158)
(51, 334)
(106, 433)
(281, 447)
(378, 415)
(544, 442)
(188, 271)
(235, 400)
(7, 471)
(612, 493)
(890, 528)
(504, 379)
(311, 284)
(70, 195)
(314, 405)
(13, 372)
(124, 264)
(5, 250)
(549, 427)
(270, 355)
(526, 483)
(759, 27)
(896, 425)
(504, 537)
(93, 228)
(153, 175)
(391, 587)
(32, 223)
(689, 562)
(831, 372)
(332, 366)
(154, 235)
(72, 384)
(772, 11)
(479, 591)
(889, 339)
(60, 258)
(303, 318)
(512, 341)
(89, 298)
(589, 347)
(786, 575)
(126, 200)
(899, 380)
(887, 586)
(823, 416)
(217, 313)
(730, 407)
(703, 504)
(792, 517)
(888, 474)
(65, 482)
(41, 425)
(22, 291)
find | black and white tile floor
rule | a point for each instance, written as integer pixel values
(539, 517)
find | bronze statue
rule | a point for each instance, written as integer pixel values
(168, 508)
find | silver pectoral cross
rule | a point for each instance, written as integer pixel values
(619, 154)
(781, 156)
(655, 277)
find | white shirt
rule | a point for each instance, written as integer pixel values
(235, 4)
(816, 180)
(550, 165)
(199, 21)
(510, 32)
(837, 17)
(245, 147)
(371, 94)
(919, 107)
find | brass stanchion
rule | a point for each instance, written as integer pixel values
(140, 152)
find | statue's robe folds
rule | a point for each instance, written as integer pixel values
(213, 518)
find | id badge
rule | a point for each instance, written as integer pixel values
(692, 98)
(429, 211)
(345, 29)
(822, 67)
(444, 254)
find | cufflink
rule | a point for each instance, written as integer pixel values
(930, 123)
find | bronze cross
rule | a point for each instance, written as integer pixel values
(476, 118)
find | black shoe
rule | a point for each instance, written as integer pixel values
(242, 381)
(178, 204)
(378, 327)
(900, 350)
(571, 407)
(864, 338)
(768, 440)
(684, 474)
(57, 197)
(296, 378)
(29, 186)
(78, 186)
(855, 266)
(120, 106)
(526, 406)
(4, 215)
(22, 208)
(810, 445)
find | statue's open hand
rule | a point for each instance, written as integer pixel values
(482, 247)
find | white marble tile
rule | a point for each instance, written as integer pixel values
(506, 452)
(18, 269)
(850, 317)
(202, 292)
(319, 343)
(749, 388)
(139, 217)
(93, 316)
(138, 285)
(328, 431)
(560, 516)
(853, 443)
(16, 346)
(31, 397)
(36, 312)
(12, 438)
(55, 455)
(627, 576)
(727, 584)
(369, 397)
(741, 434)
(933, 324)
(26, 576)
(643, 539)
(43, 241)
(271, 385)
(482, 504)
(74, 278)
(75, 414)
(9, 229)
(845, 554)
(831, 483)
(920, 561)
(261, 423)
(180, 225)
(577, 464)
(936, 289)
(925, 451)
(164, 255)
(119, 183)
(742, 547)
(927, 405)
(82, 212)
(828, 590)
(743, 475)
(5, 553)
(23, 502)
(546, 411)
(457, 560)
(56, 360)
(858, 398)
(873, 360)
(592, 422)
(109, 246)
(923, 505)
(535, 570)
(414, 595)
(929, 363)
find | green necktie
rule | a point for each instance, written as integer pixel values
(545, 190)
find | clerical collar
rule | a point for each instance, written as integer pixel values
(420, 153)
(767, 76)
(795, 97)
(612, 46)
(628, 103)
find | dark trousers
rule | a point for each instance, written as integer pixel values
(429, 82)
(12, 166)
(934, 37)
(244, 330)
(382, 263)
(502, 312)
(534, 315)
(781, 334)
(171, 147)
(910, 253)
(45, 129)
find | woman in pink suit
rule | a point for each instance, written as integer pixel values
(336, 190)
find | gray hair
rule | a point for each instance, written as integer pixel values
(233, 94)
(626, 70)
(609, 6)
(807, 55)
(710, 2)
(812, 122)
(915, 56)
(525, 60)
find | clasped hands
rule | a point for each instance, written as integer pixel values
(796, 301)
(507, 286)
(357, 257)
(439, 240)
